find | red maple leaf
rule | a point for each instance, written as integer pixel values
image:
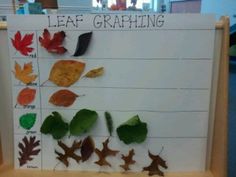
(22, 45)
(53, 44)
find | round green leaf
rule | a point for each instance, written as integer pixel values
(132, 131)
(28, 120)
(82, 121)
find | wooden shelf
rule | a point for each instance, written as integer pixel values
(9, 171)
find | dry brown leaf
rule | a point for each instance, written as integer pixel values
(102, 154)
(27, 149)
(69, 152)
(128, 160)
(64, 73)
(154, 167)
(87, 148)
(95, 72)
(24, 74)
(63, 98)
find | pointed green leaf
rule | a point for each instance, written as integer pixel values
(28, 120)
(132, 131)
(83, 121)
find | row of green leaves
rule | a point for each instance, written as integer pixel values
(58, 128)
(131, 131)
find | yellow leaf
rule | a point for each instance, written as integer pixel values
(24, 74)
(66, 72)
(95, 72)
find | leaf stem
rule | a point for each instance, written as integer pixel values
(43, 83)
(162, 148)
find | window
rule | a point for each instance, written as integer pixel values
(139, 4)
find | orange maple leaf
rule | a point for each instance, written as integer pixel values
(24, 74)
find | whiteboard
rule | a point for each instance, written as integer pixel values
(161, 71)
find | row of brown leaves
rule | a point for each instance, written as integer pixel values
(88, 147)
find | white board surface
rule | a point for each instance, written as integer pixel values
(161, 71)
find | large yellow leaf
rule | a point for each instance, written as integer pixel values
(24, 74)
(64, 73)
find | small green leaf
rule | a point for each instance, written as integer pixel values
(109, 122)
(82, 121)
(55, 126)
(132, 131)
(27, 121)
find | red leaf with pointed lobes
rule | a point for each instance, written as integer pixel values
(53, 44)
(22, 45)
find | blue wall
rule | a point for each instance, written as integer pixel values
(220, 8)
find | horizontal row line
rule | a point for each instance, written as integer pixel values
(96, 136)
(104, 58)
(116, 110)
(125, 88)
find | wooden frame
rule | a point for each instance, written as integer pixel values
(218, 127)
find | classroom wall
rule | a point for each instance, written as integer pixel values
(220, 8)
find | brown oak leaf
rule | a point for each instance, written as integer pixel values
(24, 74)
(63, 98)
(128, 160)
(69, 152)
(154, 167)
(102, 154)
(27, 147)
(87, 148)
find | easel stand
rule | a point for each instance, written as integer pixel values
(217, 146)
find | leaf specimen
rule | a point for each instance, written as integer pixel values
(83, 121)
(128, 160)
(87, 148)
(27, 149)
(28, 120)
(69, 152)
(132, 131)
(109, 122)
(95, 72)
(63, 98)
(26, 96)
(105, 152)
(22, 44)
(64, 73)
(53, 44)
(82, 44)
(55, 126)
(153, 168)
(24, 74)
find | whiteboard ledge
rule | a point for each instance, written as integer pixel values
(7, 170)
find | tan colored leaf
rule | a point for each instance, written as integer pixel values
(105, 152)
(128, 160)
(63, 98)
(24, 74)
(95, 72)
(64, 73)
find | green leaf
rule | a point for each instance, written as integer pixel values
(132, 131)
(28, 120)
(82, 121)
(55, 126)
(232, 51)
(109, 122)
